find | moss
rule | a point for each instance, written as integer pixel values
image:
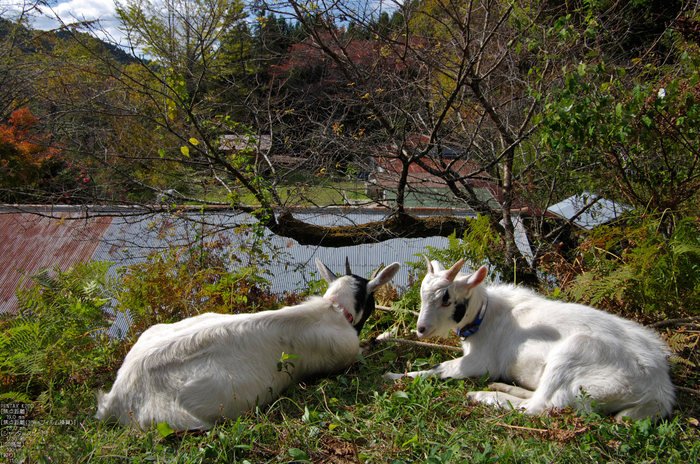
(401, 225)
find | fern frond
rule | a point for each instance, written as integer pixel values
(680, 360)
(14, 397)
(680, 341)
(23, 340)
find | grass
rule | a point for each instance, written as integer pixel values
(349, 417)
(356, 416)
(328, 192)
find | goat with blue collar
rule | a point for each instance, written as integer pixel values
(559, 354)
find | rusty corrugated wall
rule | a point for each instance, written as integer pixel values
(29, 243)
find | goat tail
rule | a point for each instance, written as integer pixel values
(657, 404)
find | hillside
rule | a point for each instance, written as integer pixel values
(27, 41)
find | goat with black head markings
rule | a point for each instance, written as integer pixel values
(560, 354)
(212, 366)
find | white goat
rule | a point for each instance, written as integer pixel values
(561, 354)
(194, 372)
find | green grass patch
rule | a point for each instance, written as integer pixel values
(328, 192)
(356, 416)
(349, 417)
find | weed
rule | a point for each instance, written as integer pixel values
(352, 416)
(357, 416)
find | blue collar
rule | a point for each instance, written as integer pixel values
(473, 327)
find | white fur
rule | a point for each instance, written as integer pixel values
(560, 354)
(194, 372)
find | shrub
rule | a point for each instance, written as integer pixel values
(183, 282)
(57, 336)
(632, 268)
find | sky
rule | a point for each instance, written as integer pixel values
(69, 11)
(104, 10)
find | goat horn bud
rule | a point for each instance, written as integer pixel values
(454, 270)
(429, 264)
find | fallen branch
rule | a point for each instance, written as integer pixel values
(501, 424)
(392, 310)
(398, 225)
(688, 390)
(670, 322)
(415, 343)
(689, 326)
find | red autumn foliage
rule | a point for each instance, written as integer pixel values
(307, 60)
(24, 153)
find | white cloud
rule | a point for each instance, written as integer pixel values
(70, 12)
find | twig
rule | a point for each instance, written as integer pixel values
(392, 310)
(267, 450)
(325, 401)
(367, 343)
(413, 342)
(669, 322)
(688, 390)
(507, 413)
(521, 428)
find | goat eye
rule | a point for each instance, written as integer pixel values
(445, 300)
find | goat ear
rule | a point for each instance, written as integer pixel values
(383, 277)
(454, 270)
(348, 271)
(326, 273)
(469, 282)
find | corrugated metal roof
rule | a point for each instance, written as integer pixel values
(131, 240)
(29, 243)
(600, 212)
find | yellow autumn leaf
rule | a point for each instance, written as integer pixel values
(185, 151)
(194, 141)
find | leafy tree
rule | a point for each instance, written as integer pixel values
(636, 139)
(16, 72)
(182, 35)
(25, 158)
(453, 91)
(159, 126)
(145, 126)
(445, 77)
